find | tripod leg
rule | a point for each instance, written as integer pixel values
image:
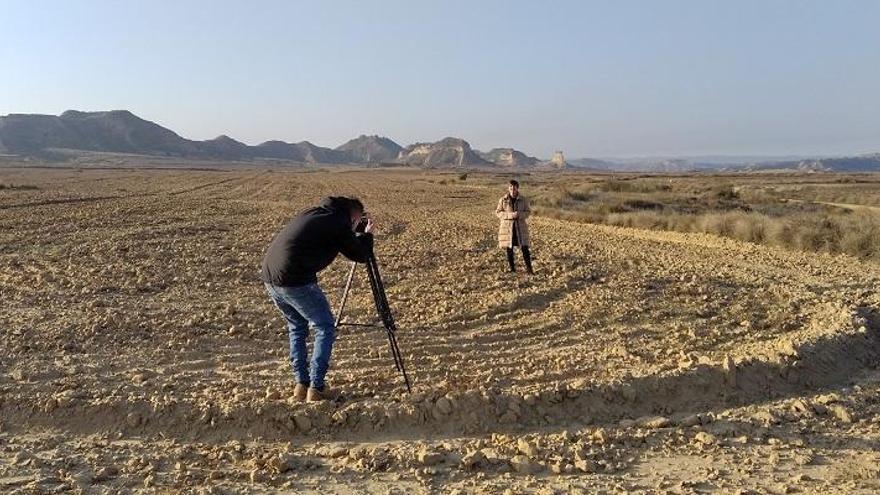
(345, 294)
(399, 360)
(384, 310)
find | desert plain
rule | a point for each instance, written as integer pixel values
(139, 352)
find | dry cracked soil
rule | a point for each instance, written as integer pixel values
(139, 352)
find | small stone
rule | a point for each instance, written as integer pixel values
(765, 417)
(337, 452)
(828, 399)
(801, 406)
(524, 465)
(690, 420)
(527, 448)
(704, 438)
(782, 488)
(430, 458)
(282, 462)
(841, 413)
(585, 466)
(302, 422)
(653, 422)
(473, 460)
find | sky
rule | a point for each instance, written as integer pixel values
(591, 78)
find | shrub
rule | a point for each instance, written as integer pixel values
(615, 185)
(641, 204)
(725, 192)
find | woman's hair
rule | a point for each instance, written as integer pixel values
(514, 183)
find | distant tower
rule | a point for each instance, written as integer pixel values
(558, 159)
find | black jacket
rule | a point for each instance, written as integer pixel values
(311, 241)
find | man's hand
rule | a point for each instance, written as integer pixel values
(514, 215)
(370, 225)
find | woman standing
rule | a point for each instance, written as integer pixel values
(512, 211)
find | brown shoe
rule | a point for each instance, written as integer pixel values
(316, 395)
(300, 392)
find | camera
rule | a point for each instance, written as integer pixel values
(362, 225)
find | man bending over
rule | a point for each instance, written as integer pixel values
(304, 247)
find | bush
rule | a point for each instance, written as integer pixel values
(725, 192)
(641, 204)
(615, 185)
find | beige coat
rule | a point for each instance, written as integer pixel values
(510, 213)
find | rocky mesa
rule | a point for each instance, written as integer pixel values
(447, 152)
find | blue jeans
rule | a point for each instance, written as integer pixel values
(302, 307)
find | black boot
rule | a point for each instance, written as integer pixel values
(527, 257)
(510, 259)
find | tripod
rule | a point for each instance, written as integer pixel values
(382, 308)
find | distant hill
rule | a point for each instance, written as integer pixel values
(371, 149)
(226, 147)
(863, 163)
(303, 151)
(448, 152)
(592, 164)
(120, 131)
(509, 157)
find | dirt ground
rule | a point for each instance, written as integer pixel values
(140, 353)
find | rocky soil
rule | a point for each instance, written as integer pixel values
(140, 353)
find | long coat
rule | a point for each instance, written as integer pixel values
(512, 212)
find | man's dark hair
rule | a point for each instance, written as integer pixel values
(514, 183)
(355, 204)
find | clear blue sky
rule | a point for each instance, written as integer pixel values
(592, 78)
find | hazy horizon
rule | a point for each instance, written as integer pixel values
(623, 80)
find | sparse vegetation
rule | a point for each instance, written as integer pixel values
(790, 213)
(20, 187)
